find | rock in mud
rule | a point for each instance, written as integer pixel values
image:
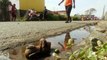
(35, 52)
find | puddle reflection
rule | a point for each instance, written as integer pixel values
(78, 34)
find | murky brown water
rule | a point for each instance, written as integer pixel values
(78, 34)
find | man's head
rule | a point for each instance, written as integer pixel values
(14, 4)
(10, 3)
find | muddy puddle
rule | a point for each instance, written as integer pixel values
(78, 35)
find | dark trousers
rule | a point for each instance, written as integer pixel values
(68, 11)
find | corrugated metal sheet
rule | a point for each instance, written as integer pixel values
(38, 5)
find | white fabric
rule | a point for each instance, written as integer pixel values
(10, 8)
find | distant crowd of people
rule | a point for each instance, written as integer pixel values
(32, 14)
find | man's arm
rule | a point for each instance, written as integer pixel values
(61, 2)
(74, 3)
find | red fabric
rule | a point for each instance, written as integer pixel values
(68, 2)
(13, 11)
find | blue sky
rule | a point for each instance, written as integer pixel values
(81, 6)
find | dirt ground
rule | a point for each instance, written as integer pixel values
(14, 34)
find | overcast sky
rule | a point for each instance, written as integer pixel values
(81, 6)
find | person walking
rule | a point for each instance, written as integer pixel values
(68, 7)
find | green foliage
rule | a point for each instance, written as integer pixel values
(52, 17)
(62, 17)
(3, 7)
(88, 54)
(55, 17)
(76, 18)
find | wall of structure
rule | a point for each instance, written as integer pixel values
(37, 5)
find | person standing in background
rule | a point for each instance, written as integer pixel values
(68, 7)
(10, 10)
(13, 12)
(45, 13)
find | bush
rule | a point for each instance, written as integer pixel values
(76, 18)
(52, 17)
(88, 54)
(4, 11)
(62, 17)
(55, 17)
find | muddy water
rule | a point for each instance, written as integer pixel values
(78, 35)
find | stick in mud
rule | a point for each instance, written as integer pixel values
(61, 45)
